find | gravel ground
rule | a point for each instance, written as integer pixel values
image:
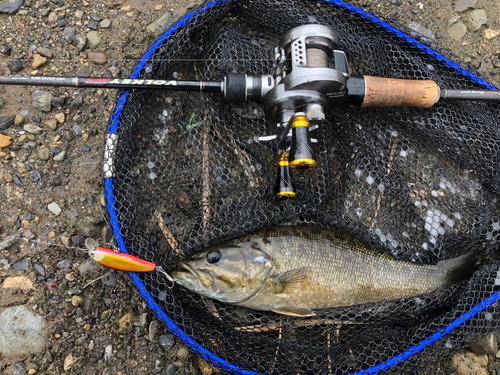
(78, 317)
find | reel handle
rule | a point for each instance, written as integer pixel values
(367, 91)
(301, 151)
(285, 187)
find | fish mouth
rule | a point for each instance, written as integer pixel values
(203, 278)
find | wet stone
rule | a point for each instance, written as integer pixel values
(62, 23)
(6, 122)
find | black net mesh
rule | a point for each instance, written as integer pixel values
(420, 184)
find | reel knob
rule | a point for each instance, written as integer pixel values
(285, 188)
(301, 151)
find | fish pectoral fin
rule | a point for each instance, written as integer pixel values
(291, 281)
(295, 311)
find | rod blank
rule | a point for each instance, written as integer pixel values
(113, 83)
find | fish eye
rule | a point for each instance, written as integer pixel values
(213, 257)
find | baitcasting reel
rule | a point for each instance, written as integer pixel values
(310, 77)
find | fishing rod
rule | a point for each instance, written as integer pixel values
(310, 76)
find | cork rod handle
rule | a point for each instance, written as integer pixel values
(385, 92)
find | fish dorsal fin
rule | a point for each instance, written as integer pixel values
(291, 281)
(295, 311)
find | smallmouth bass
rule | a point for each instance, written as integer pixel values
(294, 270)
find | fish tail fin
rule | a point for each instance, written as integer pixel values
(458, 269)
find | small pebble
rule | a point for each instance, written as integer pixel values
(63, 263)
(51, 124)
(54, 208)
(60, 117)
(43, 153)
(76, 300)
(167, 340)
(60, 156)
(5, 141)
(105, 23)
(44, 52)
(16, 65)
(77, 130)
(38, 61)
(62, 23)
(18, 120)
(98, 58)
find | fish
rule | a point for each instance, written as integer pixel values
(294, 270)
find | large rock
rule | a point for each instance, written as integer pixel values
(477, 18)
(463, 5)
(87, 228)
(159, 26)
(94, 39)
(457, 30)
(467, 363)
(11, 6)
(42, 100)
(21, 332)
(487, 345)
(6, 122)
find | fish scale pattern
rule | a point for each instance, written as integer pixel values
(185, 170)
